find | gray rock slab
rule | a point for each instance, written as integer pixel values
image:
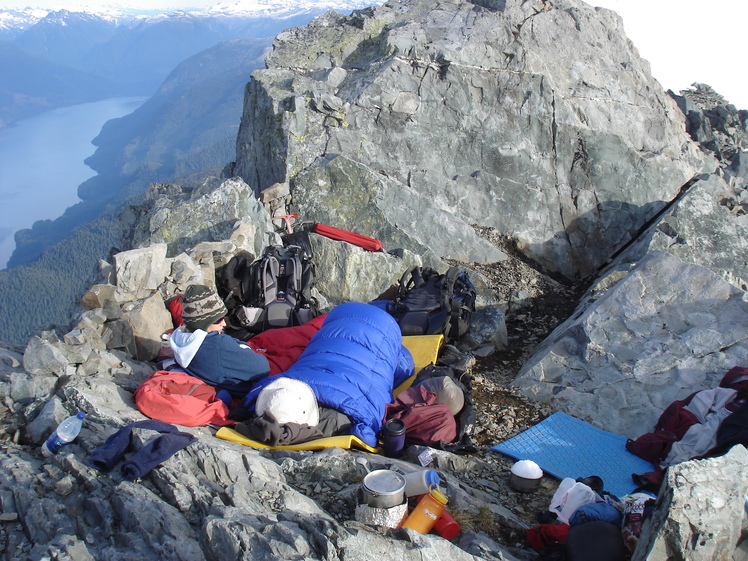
(703, 228)
(699, 511)
(537, 119)
(348, 195)
(664, 331)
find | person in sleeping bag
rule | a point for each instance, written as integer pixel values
(204, 351)
(352, 364)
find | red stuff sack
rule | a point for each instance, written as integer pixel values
(540, 537)
(428, 423)
(176, 397)
(365, 242)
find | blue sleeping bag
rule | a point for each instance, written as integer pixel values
(352, 363)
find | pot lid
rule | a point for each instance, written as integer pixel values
(384, 481)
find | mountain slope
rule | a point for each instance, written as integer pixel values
(189, 125)
(30, 85)
(198, 106)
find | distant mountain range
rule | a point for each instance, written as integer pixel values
(193, 66)
(128, 52)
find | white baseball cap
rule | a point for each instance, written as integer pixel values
(289, 401)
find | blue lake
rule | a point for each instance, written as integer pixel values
(41, 163)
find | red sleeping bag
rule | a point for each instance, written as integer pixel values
(282, 347)
(365, 242)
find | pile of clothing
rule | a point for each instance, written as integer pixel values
(706, 423)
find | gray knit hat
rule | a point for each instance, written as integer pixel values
(201, 307)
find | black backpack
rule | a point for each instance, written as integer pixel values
(430, 303)
(270, 292)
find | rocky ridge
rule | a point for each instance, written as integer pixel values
(217, 499)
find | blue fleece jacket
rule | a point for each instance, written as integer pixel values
(219, 360)
(353, 363)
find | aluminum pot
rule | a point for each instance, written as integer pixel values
(383, 488)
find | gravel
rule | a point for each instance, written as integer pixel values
(535, 304)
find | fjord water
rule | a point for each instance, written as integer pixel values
(41, 163)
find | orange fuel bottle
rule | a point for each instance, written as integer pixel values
(427, 512)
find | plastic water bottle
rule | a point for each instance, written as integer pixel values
(65, 433)
(427, 512)
(421, 482)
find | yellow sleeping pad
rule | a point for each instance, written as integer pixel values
(425, 350)
(343, 441)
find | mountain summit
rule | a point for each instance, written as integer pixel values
(523, 140)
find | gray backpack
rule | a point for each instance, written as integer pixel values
(271, 292)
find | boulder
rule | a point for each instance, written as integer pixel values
(665, 330)
(699, 511)
(140, 272)
(25, 388)
(119, 335)
(538, 119)
(44, 358)
(487, 329)
(184, 272)
(347, 273)
(11, 357)
(102, 296)
(47, 418)
(149, 319)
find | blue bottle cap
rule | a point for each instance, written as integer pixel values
(432, 479)
(81, 415)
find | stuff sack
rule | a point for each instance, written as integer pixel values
(569, 496)
(465, 418)
(176, 397)
(365, 242)
(429, 303)
(427, 423)
(267, 293)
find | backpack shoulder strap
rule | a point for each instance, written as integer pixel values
(407, 281)
(269, 275)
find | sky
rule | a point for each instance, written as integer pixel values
(685, 41)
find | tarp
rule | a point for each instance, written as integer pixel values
(564, 446)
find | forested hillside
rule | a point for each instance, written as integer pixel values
(43, 293)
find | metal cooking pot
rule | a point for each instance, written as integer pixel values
(383, 488)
